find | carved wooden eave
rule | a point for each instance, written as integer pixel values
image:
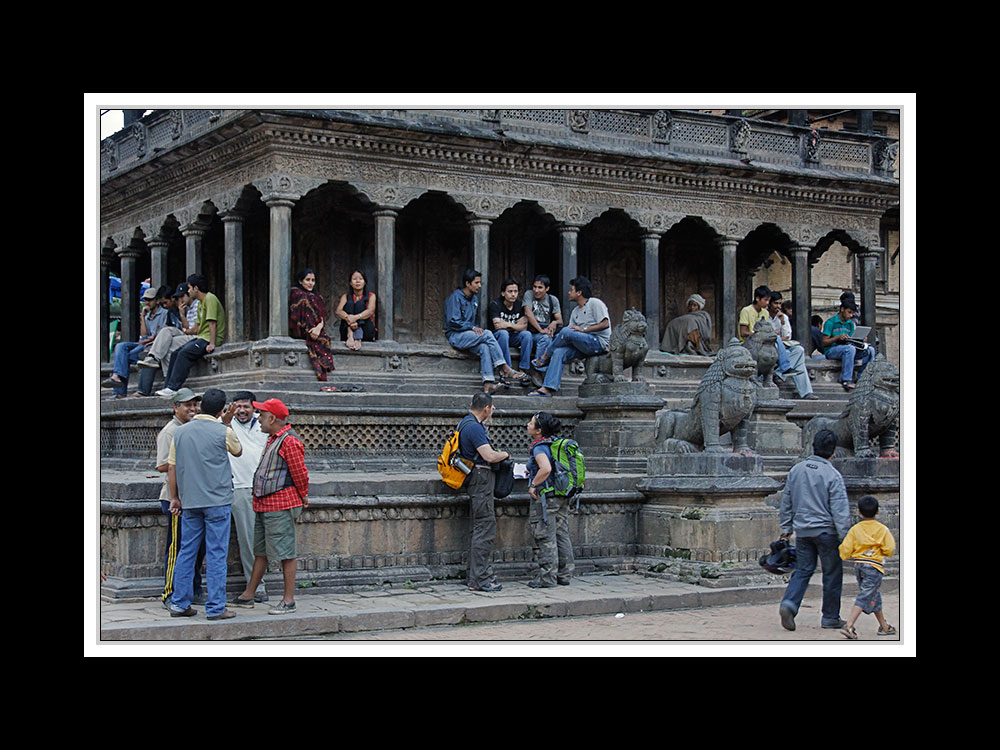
(391, 167)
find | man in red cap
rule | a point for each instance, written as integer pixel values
(280, 492)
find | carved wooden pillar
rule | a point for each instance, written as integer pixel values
(481, 261)
(651, 298)
(232, 224)
(728, 307)
(868, 259)
(107, 255)
(130, 294)
(158, 261)
(801, 296)
(280, 272)
(193, 236)
(568, 234)
(385, 252)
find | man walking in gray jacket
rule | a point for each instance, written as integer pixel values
(814, 506)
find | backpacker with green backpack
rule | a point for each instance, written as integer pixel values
(569, 473)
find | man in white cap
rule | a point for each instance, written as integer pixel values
(690, 333)
(280, 492)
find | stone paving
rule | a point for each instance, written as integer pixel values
(378, 610)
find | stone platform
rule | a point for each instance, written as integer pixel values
(379, 512)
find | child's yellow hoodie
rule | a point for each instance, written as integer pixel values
(868, 542)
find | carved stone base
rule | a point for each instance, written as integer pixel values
(768, 430)
(708, 507)
(618, 430)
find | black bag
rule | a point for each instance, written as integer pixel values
(781, 560)
(505, 478)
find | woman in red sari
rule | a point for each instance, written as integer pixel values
(306, 320)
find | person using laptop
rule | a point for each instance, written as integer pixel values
(837, 334)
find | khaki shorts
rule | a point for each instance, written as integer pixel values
(274, 534)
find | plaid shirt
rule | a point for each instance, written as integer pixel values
(294, 453)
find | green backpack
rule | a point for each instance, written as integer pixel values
(569, 473)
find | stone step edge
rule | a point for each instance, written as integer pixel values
(521, 603)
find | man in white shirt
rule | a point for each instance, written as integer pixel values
(587, 335)
(791, 354)
(247, 429)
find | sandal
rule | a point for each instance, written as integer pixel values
(329, 388)
(539, 393)
(850, 633)
(489, 387)
(539, 364)
(848, 385)
(889, 630)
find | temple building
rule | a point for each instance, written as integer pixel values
(652, 205)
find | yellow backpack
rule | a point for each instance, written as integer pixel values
(450, 463)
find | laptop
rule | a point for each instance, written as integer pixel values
(861, 332)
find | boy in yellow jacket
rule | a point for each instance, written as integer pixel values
(867, 544)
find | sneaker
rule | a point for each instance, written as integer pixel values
(223, 615)
(834, 625)
(281, 608)
(562, 581)
(149, 361)
(787, 612)
(178, 612)
(166, 392)
(490, 587)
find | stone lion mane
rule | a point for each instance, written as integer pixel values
(627, 348)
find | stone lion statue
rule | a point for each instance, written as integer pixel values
(872, 412)
(627, 348)
(763, 347)
(723, 403)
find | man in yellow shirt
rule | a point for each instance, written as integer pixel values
(751, 314)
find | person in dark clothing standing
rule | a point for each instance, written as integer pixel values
(474, 446)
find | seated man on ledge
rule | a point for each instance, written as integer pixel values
(690, 333)
(587, 335)
(460, 316)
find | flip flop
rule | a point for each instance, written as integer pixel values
(539, 363)
(329, 388)
(539, 393)
(850, 633)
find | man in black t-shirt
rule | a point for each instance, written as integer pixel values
(507, 321)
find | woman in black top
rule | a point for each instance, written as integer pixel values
(357, 313)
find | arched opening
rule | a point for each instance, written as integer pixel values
(690, 262)
(523, 244)
(611, 255)
(333, 233)
(759, 251)
(433, 248)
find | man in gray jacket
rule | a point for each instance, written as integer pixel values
(814, 506)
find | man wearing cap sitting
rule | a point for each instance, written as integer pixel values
(280, 492)
(201, 493)
(173, 337)
(152, 320)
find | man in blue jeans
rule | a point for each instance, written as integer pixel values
(461, 327)
(836, 332)
(814, 506)
(587, 335)
(201, 493)
(211, 333)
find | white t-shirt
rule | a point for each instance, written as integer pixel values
(253, 441)
(783, 329)
(590, 314)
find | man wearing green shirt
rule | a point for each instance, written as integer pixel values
(211, 325)
(836, 332)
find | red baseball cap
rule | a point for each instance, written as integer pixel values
(274, 406)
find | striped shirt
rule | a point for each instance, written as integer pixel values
(294, 453)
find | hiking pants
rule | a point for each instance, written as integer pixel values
(483, 523)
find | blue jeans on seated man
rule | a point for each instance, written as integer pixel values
(485, 343)
(126, 354)
(210, 525)
(568, 344)
(793, 362)
(180, 363)
(848, 354)
(825, 547)
(521, 339)
(541, 342)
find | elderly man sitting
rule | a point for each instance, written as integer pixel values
(690, 333)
